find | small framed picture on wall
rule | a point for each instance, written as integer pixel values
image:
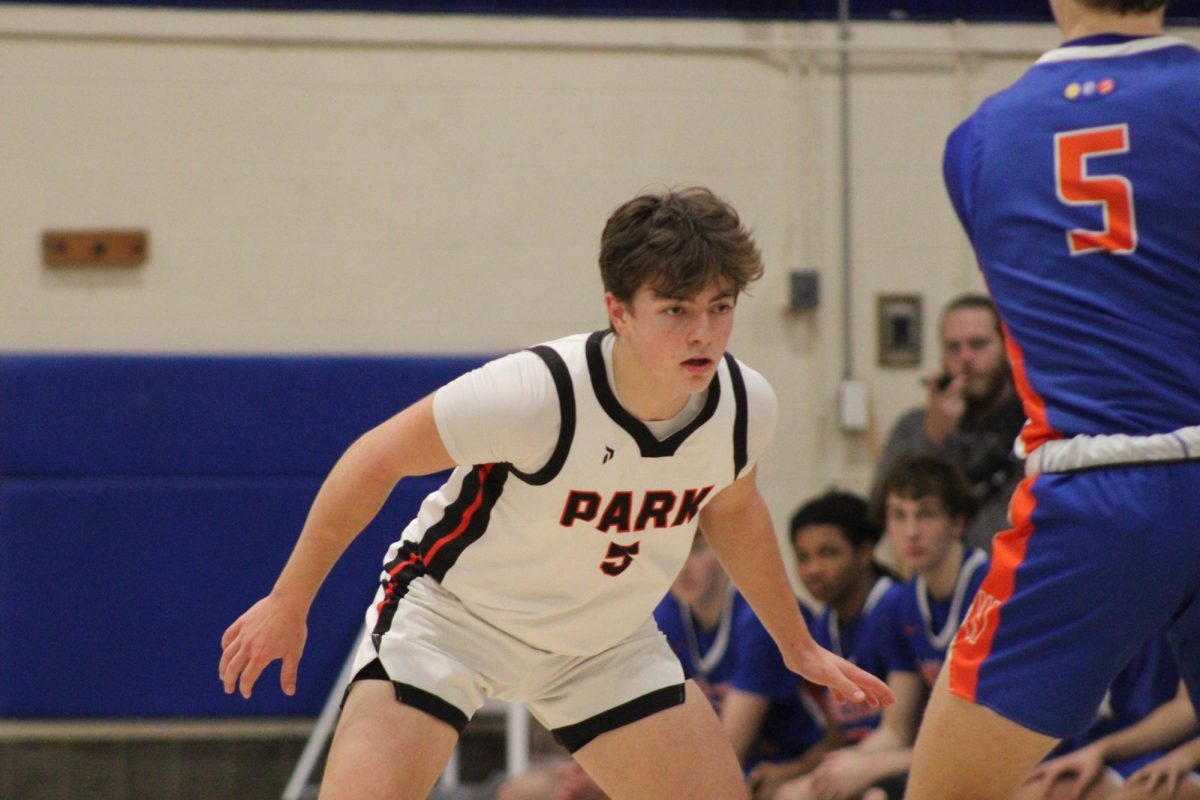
(898, 321)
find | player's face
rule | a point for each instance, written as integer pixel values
(701, 576)
(973, 348)
(829, 566)
(671, 345)
(922, 531)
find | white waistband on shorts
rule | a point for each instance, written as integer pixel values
(1085, 452)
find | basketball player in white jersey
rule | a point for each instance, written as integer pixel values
(582, 467)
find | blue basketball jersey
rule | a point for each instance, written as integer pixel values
(860, 641)
(924, 626)
(739, 653)
(1078, 188)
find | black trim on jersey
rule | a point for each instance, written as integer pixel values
(740, 419)
(410, 695)
(487, 482)
(462, 523)
(648, 444)
(395, 584)
(566, 404)
(573, 737)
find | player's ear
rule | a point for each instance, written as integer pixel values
(618, 313)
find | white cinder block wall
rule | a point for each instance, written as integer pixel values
(317, 182)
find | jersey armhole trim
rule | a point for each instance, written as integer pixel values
(740, 421)
(566, 405)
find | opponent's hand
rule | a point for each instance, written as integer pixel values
(1160, 778)
(1070, 775)
(269, 630)
(848, 682)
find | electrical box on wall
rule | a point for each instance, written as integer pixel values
(853, 406)
(804, 289)
(94, 248)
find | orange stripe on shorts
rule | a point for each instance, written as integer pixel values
(973, 642)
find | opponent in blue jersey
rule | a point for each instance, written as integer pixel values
(834, 541)
(925, 503)
(1078, 189)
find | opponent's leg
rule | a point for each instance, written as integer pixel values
(968, 752)
(383, 749)
(681, 753)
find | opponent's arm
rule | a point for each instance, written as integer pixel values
(738, 526)
(352, 494)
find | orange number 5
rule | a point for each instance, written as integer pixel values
(1113, 193)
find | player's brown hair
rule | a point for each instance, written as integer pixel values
(677, 242)
(913, 477)
(1125, 6)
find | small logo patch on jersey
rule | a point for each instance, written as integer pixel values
(1090, 90)
(608, 454)
(980, 616)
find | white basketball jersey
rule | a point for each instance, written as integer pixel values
(574, 557)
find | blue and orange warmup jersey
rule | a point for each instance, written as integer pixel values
(859, 640)
(740, 654)
(1077, 187)
(923, 626)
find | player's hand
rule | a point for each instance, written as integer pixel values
(944, 409)
(765, 778)
(1069, 776)
(848, 682)
(1160, 779)
(271, 629)
(842, 774)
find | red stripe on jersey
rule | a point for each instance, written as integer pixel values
(463, 524)
(468, 514)
(1038, 429)
(973, 642)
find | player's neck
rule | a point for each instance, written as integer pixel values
(1091, 23)
(943, 576)
(706, 611)
(849, 607)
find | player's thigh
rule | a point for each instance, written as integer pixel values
(383, 749)
(680, 753)
(969, 752)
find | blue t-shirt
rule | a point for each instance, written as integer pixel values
(924, 626)
(739, 653)
(860, 641)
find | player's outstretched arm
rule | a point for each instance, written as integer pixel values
(738, 526)
(351, 496)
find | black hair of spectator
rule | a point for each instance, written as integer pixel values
(846, 512)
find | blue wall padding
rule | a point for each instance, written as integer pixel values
(199, 415)
(146, 502)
